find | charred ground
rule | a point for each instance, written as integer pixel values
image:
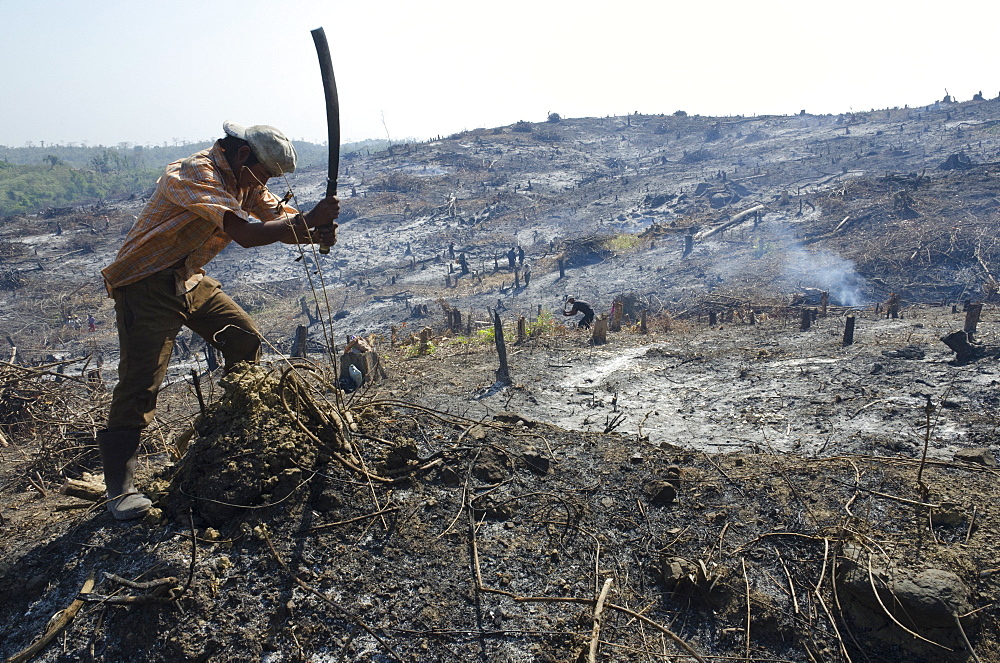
(751, 490)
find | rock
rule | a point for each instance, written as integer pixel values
(917, 599)
(515, 419)
(933, 597)
(978, 455)
(677, 571)
(660, 492)
(535, 461)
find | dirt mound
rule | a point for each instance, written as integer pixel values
(257, 444)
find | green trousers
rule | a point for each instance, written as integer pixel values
(150, 313)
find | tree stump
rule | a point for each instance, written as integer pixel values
(849, 330)
(503, 372)
(965, 351)
(972, 319)
(366, 362)
(300, 346)
(600, 333)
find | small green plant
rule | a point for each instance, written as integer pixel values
(418, 350)
(543, 324)
(487, 335)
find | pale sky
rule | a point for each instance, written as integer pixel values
(106, 72)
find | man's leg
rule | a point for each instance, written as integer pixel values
(149, 316)
(214, 316)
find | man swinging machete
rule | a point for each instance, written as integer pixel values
(200, 205)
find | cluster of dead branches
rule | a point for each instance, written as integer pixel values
(50, 416)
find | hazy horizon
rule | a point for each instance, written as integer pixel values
(107, 73)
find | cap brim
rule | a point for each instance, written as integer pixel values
(235, 130)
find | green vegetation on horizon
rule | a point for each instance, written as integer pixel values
(33, 179)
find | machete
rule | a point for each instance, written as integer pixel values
(332, 115)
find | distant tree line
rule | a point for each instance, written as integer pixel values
(34, 178)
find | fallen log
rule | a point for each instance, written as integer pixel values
(732, 222)
(89, 487)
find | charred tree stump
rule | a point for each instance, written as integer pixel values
(972, 319)
(849, 330)
(892, 306)
(805, 320)
(964, 351)
(503, 372)
(300, 346)
(642, 322)
(425, 340)
(713, 317)
(600, 334)
(688, 245)
(522, 329)
(562, 268)
(366, 362)
(392, 336)
(824, 302)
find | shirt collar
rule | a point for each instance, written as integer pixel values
(218, 156)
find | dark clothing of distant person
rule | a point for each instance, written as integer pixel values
(586, 309)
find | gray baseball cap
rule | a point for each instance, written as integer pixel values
(271, 147)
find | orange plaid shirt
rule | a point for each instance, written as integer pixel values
(183, 219)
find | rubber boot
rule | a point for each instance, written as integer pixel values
(119, 451)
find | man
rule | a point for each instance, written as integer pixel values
(200, 204)
(580, 307)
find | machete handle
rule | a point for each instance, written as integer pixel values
(324, 248)
(332, 115)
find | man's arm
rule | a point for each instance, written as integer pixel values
(287, 229)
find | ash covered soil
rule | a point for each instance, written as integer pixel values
(742, 491)
(775, 485)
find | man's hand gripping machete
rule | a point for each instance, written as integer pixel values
(332, 115)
